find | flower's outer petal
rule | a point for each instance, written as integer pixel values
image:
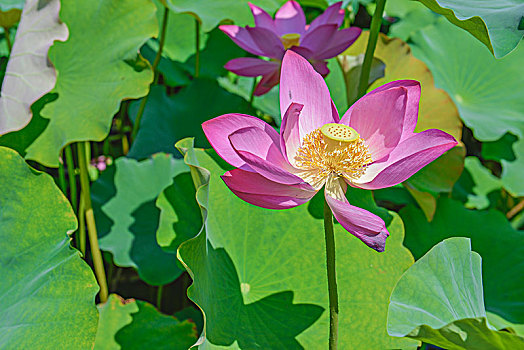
(334, 112)
(362, 224)
(271, 164)
(251, 67)
(406, 159)
(262, 18)
(242, 38)
(302, 51)
(268, 42)
(257, 190)
(218, 129)
(321, 67)
(333, 15)
(341, 40)
(315, 40)
(290, 18)
(267, 83)
(289, 135)
(300, 83)
(412, 103)
(379, 119)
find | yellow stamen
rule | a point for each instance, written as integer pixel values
(337, 151)
(290, 39)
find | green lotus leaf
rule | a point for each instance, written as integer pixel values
(127, 218)
(491, 236)
(48, 291)
(484, 182)
(135, 324)
(6, 5)
(252, 268)
(439, 300)
(97, 67)
(28, 75)
(496, 24)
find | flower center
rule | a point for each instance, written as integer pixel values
(290, 39)
(333, 149)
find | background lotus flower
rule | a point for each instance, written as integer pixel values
(372, 146)
(317, 41)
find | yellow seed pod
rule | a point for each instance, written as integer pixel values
(339, 132)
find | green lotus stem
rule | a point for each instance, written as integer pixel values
(71, 177)
(370, 49)
(332, 277)
(90, 221)
(7, 40)
(158, 56)
(197, 42)
(159, 297)
(62, 178)
(81, 235)
(252, 96)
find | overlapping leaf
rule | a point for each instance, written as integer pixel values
(90, 86)
(491, 236)
(253, 267)
(28, 75)
(439, 300)
(47, 290)
(135, 324)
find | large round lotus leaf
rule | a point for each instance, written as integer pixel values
(260, 275)
(90, 86)
(135, 324)
(47, 290)
(439, 300)
(127, 218)
(497, 24)
(28, 75)
(491, 236)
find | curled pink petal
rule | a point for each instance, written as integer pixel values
(334, 112)
(242, 38)
(406, 159)
(267, 83)
(316, 40)
(262, 18)
(362, 224)
(258, 190)
(321, 67)
(218, 129)
(268, 42)
(413, 97)
(289, 135)
(379, 119)
(290, 18)
(341, 40)
(252, 67)
(332, 15)
(300, 83)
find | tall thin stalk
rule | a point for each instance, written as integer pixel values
(197, 52)
(332, 276)
(90, 221)
(71, 176)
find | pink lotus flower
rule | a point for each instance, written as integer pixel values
(372, 146)
(317, 41)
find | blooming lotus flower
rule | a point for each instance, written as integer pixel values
(317, 41)
(372, 146)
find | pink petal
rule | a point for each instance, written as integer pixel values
(271, 164)
(406, 159)
(334, 112)
(289, 134)
(341, 40)
(251, 67)
(300, 83)
(218, 129)
(413, 98)
(290, 18)
(379, 119)
(268, 42)
(242, 38)
(262, 18)
(267, 83)
(302, 51)
(257, 190)
(321, 67)
(315, 40)
(362, 224)
(332, 15)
